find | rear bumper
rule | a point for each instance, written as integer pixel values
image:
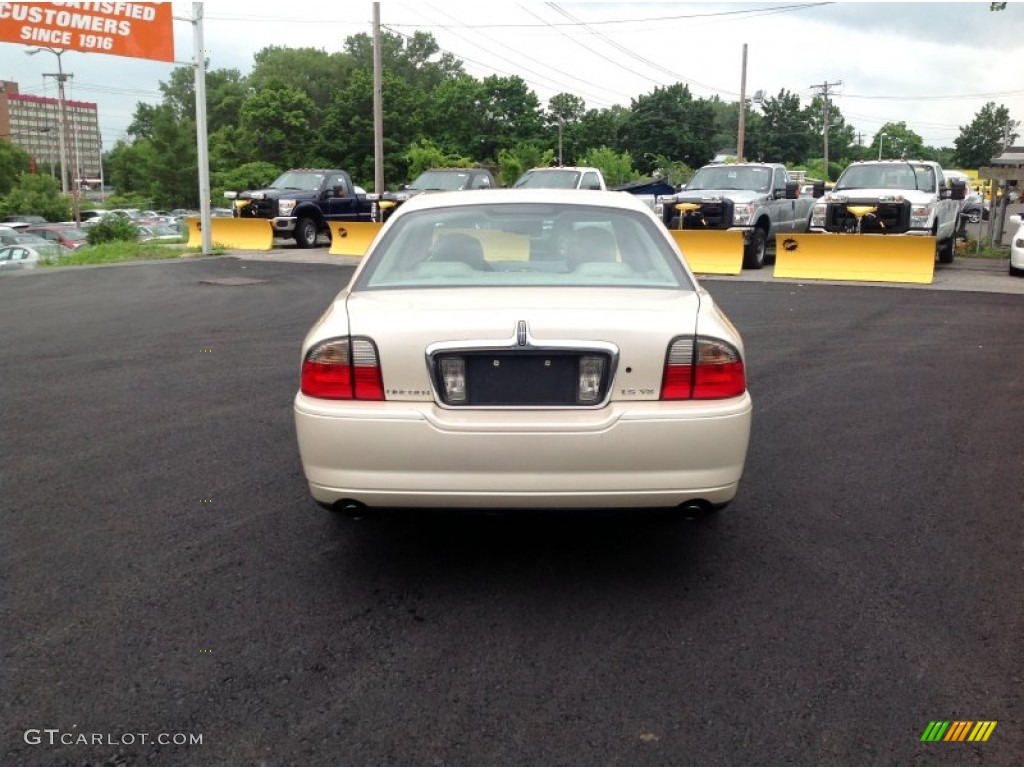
(640, 454)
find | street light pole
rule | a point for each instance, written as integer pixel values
(881, 139)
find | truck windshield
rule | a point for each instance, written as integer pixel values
(888, 176)
(731, 177)
(306, 180)
(447, 181)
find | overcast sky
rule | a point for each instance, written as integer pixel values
(932, 65)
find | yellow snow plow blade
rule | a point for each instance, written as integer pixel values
(868, 258)
(711, 251)
(352, 238)
(237, 234)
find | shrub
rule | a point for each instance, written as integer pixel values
(111, 228)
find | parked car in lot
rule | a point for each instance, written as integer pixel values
(30, 254)
(67, 234)
(523, 348)
(974, 209)
(22, 218)
(1017, 246)
(160, 231)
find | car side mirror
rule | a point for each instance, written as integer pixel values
(792, 190)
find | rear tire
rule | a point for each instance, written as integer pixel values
(1016, 271)
(754, 255)
(305, 233)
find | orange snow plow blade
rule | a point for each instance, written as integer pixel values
(352, 238)
(711, 252)
(867, 258)
(235, 234)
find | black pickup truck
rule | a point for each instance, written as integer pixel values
(301, 201)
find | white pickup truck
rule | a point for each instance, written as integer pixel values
(893, 197)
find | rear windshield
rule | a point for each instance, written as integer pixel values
(524, 244)
(557, 179)
(447, 181)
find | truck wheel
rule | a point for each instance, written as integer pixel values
(946, 251)
(305, 233)
(753, 257)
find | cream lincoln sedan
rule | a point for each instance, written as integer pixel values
(511, 349)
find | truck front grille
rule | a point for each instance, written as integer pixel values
(258, 209)
(717, 215)
(888, 218)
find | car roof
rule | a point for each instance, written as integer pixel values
(583, 198)
(546, 168)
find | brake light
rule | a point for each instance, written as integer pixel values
(702, 369)
(343, 369)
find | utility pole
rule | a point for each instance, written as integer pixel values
(560, 140)
(65, 162)
(824, 90)
(741, 128)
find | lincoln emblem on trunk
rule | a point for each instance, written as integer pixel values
(521, 333)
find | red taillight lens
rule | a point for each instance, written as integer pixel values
(702, 369)
(677, 381)
(343, 369)
(719, 373)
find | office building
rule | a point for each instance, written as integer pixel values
(33, 123)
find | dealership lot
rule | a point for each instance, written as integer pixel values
(163, 569)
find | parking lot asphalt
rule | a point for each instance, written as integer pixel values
(964, 274)
(162, 569)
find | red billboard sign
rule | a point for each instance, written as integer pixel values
(138, 30)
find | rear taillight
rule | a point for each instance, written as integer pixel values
(343, 369)
(702, 369)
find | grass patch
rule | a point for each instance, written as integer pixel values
(125, 250)
(969, 249)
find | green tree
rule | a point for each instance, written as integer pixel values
(985, 137)
(255, 175)
(417, 60)
(314, 72)
(171, 169)
(423, 155)
(13, 161)
(841, 135)
(899, 142)
(507, 113)
(669, 121)
(226, 89)
(786, 136)
(563, 116)
(512, 163)
(602, 128)
(276, 121)
(127, 165)
(39, 195)
(616, 167)
(449, 116)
